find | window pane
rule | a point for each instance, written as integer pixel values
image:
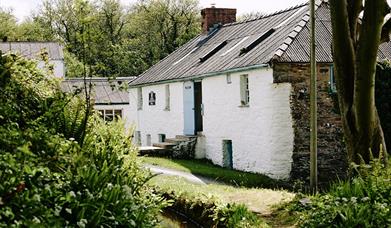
(109, 118)
(244, 90)
(101, 113)
(118, 113)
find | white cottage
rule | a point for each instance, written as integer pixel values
(109, 96)
(32, 50)
(241, 88)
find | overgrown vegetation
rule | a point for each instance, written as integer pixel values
(207, 169)
(46, 178)
(210, 211)
(362, 201)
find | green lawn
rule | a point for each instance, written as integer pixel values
(257, 200)
(206, 169)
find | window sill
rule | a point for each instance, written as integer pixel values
(244, 106)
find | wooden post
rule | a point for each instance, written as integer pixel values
(313, 107)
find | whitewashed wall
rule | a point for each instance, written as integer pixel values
(155, 120)
(59, 67)
(262, 134)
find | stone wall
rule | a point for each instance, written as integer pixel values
(332, 161)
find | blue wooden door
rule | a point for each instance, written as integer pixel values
(188, 108)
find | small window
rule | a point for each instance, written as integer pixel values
(229, 81)
(333, 84)
(167, 100)
(213, 51)
(118, 114)
(139, 98)
(162, 138)
(227, 154)
(259, 40)
(152, 98)
(244, 90)
(110, 114)
(149, 140)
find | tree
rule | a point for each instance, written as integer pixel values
(355, 47)
(7, 25)
(161, 26)
(33, 29)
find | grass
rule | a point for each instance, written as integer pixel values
(207, 169)
(260, 201)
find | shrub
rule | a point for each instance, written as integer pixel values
(46, 178)
(363, 201)
(210, 212)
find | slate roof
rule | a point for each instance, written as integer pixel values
(31, 50)
(290, 42)
(105, 91)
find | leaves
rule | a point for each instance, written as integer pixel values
(48, 179)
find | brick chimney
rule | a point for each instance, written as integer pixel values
(213, 16)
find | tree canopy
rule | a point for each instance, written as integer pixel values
(110, 38)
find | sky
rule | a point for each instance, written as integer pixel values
(23, 8)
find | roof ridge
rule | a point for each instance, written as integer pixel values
(297, 29)
(268, 14)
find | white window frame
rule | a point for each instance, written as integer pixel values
(110, 114)
(244, 90)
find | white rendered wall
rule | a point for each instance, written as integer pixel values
(262, 134)
(154, 119)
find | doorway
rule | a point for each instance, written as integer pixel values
(227, 154)
(198, 107)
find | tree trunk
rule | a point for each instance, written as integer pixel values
(355, 48)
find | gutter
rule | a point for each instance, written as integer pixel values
(201, 76)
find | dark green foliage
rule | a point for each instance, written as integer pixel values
(363, 201)
(46, 178)
(236, 216)
(383, 98)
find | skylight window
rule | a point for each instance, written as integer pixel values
(213, 51)
(235, 46)
(257, 41)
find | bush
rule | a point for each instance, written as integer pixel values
(46, 178)
(364, 201)
(210, 212)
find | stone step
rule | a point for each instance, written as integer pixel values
(164, 145)
(152, 150)
(176, 140)
(185, 137)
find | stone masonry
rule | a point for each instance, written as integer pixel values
(332, 159)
